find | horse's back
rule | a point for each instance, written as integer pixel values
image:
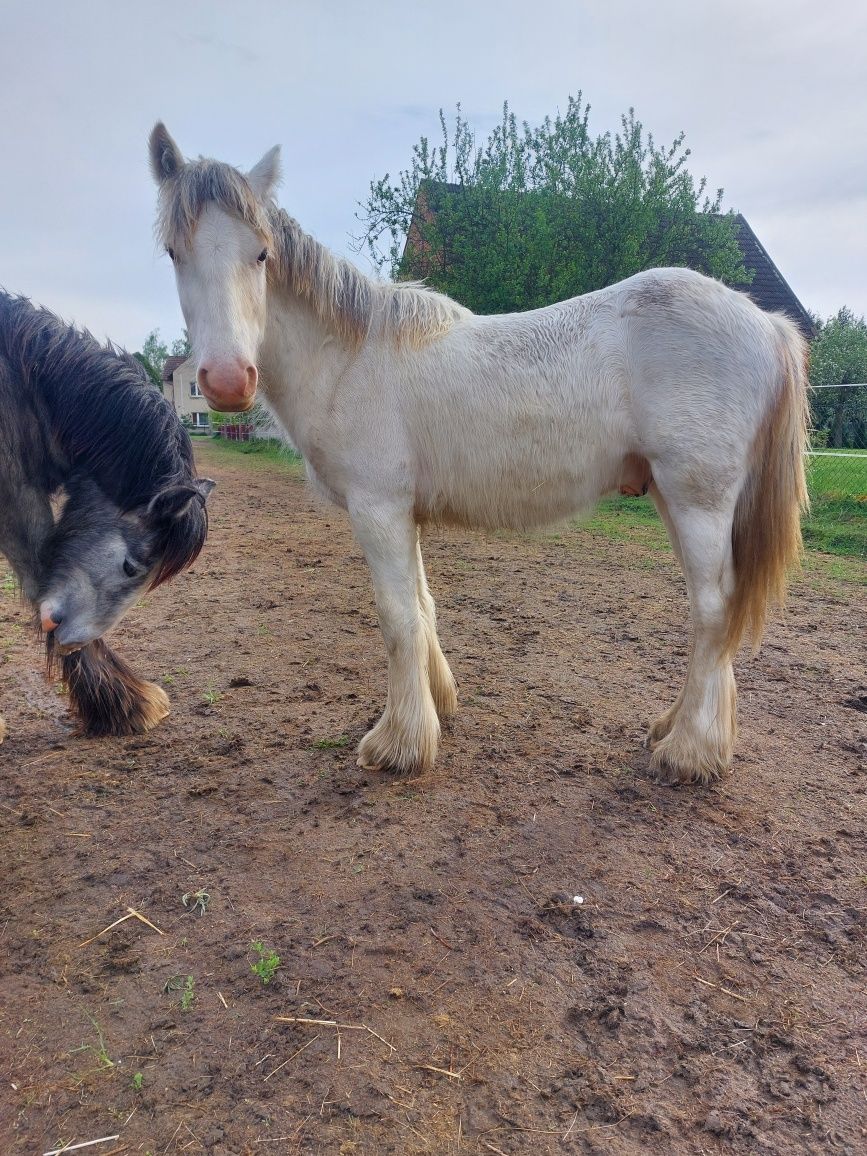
(516, 420)
(520, 419)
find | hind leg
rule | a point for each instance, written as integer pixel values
(442, 681)
(2, 728)
(694, 740)
(660, 728)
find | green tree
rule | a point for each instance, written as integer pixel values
(838, 356)
(538, 214)
(181, 345)
(154, 354)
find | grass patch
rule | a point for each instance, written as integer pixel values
(820, 567)
(627, 519)
(843, 473)
(837, 523)
(263, 450)
(838, 490)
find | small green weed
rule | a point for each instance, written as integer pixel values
(211, 696)
(137, 1081)
(188, 994)
(267, 963)
(331, 744)
(176, 983)
(105, 1060)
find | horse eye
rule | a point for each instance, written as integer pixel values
(263, 256)
(130, 569)
(171, 253)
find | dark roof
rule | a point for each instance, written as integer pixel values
(171, 364)
(769, 288)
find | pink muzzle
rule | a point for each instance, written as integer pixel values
(229, 387)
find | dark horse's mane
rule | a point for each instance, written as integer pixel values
(100, 416)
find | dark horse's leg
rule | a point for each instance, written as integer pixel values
(106, 696)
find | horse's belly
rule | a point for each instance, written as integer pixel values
(517, 491)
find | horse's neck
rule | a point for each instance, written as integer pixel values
(301, 360)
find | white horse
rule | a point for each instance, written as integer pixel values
(410, 409)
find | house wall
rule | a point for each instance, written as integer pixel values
(185, 396)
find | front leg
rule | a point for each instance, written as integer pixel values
(407, 736)
(26, 520)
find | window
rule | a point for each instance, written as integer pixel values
(194, 390)
(201, 421)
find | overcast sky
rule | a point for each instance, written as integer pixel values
(772, 95)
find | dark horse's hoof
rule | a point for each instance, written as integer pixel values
(106, 696)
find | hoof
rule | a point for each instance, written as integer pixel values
(673, 768)
(385, 749)
(107, 697)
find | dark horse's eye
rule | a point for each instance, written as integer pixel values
(263, 257)
(171, 253)
(130, 569)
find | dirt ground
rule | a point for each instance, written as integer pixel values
(707, 996)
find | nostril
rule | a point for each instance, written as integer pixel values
(252, 378)
(51, 619)
(201, 377)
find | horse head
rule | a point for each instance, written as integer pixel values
(99, 558)
(214, 223)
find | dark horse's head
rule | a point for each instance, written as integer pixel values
(100, 558)
(135, 510)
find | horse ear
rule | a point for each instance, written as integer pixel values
(265, 174)
(167, 160)
(172, 503)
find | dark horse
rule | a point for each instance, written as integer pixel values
(81, 424)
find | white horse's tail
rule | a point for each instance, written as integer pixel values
(766, 532)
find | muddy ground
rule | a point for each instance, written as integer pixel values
(708, 996)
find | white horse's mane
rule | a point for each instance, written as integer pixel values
(341, 295)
